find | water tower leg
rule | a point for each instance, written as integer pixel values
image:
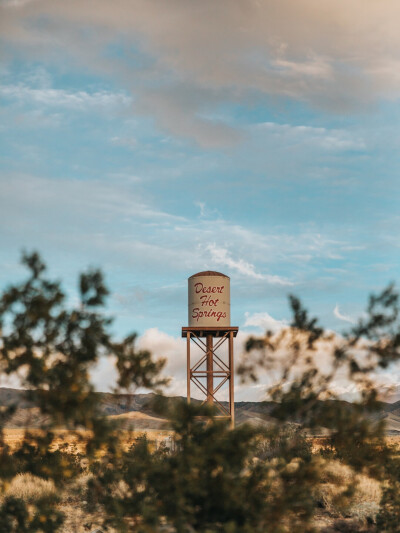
(210, 358)
(188, 377)
(231, 381)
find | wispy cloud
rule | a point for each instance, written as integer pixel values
(340, 316)
(221, 256)
(80, 100)
(328, 139)
(207, 212)
(84, 200)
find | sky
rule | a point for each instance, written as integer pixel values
(155, 139)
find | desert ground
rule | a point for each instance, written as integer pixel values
(333, 515)
(74, 441)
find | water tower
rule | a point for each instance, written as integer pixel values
(209, 328)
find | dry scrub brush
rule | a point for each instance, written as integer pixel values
(31, 488)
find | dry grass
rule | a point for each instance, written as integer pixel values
(344, 493)
(74, 442)
(30, 488)
(331, 494)
(77, 520)
(394, 441)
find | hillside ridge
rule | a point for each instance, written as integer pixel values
(123, 406)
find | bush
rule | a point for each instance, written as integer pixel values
(31, 488)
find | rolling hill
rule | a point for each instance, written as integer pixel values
(137, 411)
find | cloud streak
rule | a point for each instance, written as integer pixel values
(328, 139)
(340, 316)
(221, 256)
(80, 100)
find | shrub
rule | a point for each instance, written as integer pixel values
(31, 488)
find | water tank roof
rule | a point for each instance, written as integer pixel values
(209, 273)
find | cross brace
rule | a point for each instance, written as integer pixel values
(216, 368)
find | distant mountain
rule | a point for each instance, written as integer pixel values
(9, 397)
(112, 405)
(136, 410)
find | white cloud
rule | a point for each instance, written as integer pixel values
(221, 256)
(287, 364)
(340, 316)
(162, 345)
(202, 207)
(265, 322)
(166, 346)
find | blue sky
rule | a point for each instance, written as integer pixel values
(157, 139)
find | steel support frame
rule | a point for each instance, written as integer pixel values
(215, 368)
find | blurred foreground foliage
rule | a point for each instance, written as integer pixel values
(250, 479)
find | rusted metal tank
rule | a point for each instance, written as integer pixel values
(209, 300)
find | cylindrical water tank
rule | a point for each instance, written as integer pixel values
(209, 300)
